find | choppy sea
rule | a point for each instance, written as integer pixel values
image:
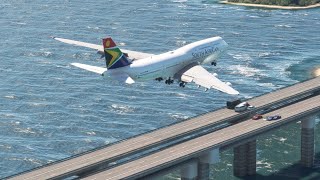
(50, 110)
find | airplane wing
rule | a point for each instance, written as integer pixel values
(99, 48)
(202, 77)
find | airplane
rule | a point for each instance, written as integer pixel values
(182, 64)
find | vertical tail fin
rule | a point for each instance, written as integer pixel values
(114, 57)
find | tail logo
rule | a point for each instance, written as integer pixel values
(114, 56)
(107, 43)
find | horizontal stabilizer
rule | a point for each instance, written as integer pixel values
(95, 69)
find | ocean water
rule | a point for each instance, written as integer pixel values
(50, 110)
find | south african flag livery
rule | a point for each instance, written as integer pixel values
(114, 57)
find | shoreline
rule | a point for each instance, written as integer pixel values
(272, 6)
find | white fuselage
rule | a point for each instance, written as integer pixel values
(166, 65)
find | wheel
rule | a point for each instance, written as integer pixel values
(159, 79)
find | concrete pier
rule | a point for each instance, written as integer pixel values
(307, 142)
(251, 157)
(204, 171)
(205, 161)
(244, 162)
(189, 171)
(239, 160)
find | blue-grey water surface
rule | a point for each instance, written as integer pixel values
(50, 110)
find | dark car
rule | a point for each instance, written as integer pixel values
(257, 117)
(232, 104)
(274, 117)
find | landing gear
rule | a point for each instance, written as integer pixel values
(159, 79)
(214, 63)
(182, 84)
(169, 81)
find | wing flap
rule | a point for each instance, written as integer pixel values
(202, 77)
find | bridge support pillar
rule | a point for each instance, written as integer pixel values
(189, 171)
(205, 161)
(307, 142)
(244, 162)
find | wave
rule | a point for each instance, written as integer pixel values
(242, 57)
(38, 54)
(178, 116)
(245, 70)
(283, 26)
(122, 109)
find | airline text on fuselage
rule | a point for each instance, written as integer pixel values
(204, 53)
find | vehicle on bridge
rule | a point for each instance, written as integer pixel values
(233, 104)
(243, 106)
(274, 117)
(257, 117)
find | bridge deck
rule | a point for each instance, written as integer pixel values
(193, 148)
(137, 144)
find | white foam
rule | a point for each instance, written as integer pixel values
(183, 96)
(254, 16)
(264, 54)
(245, 70)
(283, 25)
(243, 57)
(37, 104)
(178, 116)
(91, 133)
(96, 28)
(268, 85)
(26, 130)
(20, 23)
(121, 109)
(264, 165)
(10, 97)
(180, 1)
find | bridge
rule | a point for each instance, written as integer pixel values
(194, 144)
